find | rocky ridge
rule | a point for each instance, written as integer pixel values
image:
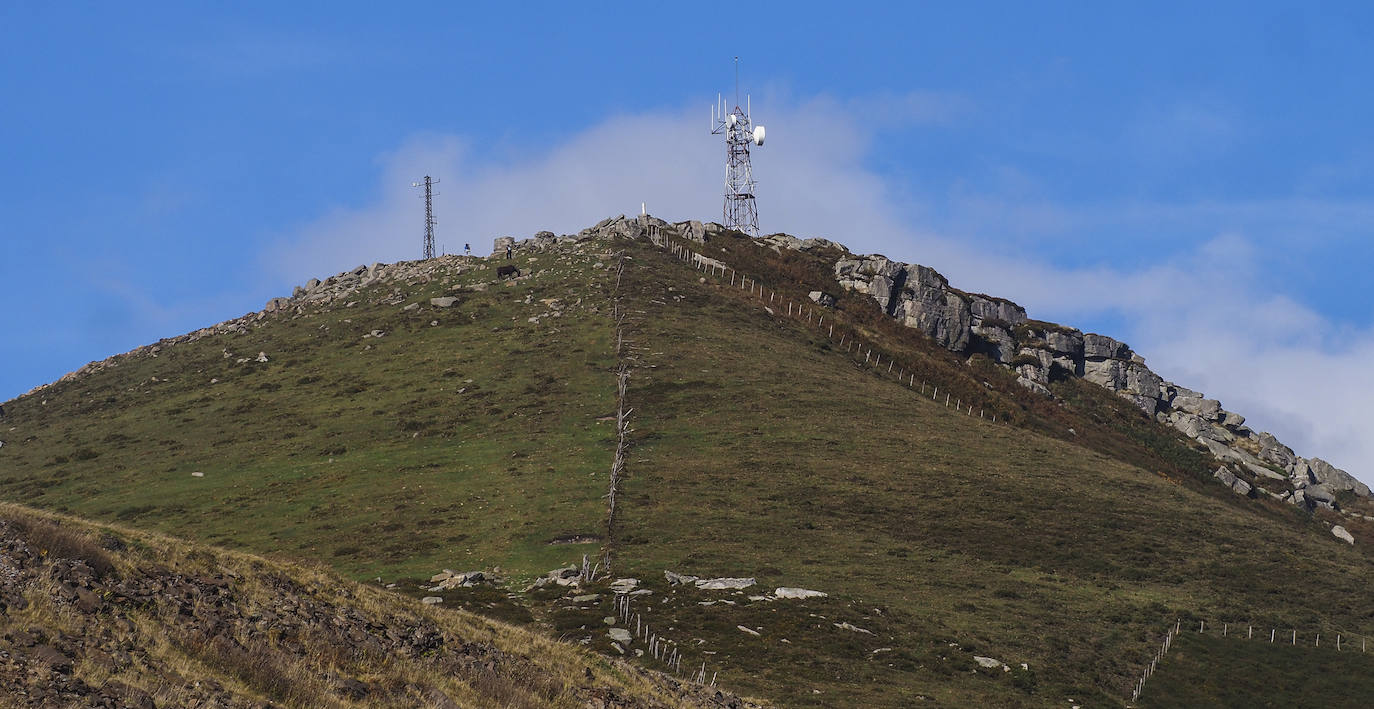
(1039, 352)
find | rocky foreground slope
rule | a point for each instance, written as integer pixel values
(108, 617)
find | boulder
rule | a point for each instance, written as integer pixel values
(276, 304)
(1209, 409)
(1320, 494)
(679, 579)
(821, 298)
(1102, 347)
(1065, 342)
(818, 243)
(1259, 470)
(782, 241)
(443, 302)
(1216, 433)
(620, 635)
(431, 600)
(692, 231)
(1106, 373)
(983, 307)
(1140, 380)
(987, 662)
(1340, 533)
(1337, 479)
(1275, 452)
(722, 584)
(871, 275)
(499, 244)
(787, 592)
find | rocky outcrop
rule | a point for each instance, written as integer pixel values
(1041, 353)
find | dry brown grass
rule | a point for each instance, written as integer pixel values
(480, 662)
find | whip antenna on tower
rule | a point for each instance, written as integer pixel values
(429, 214)
(741, 214)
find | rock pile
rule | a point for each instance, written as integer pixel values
(446, 580)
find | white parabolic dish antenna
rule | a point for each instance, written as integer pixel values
(758, 135)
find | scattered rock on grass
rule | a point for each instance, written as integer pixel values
(854, 628)
(721, 584)
(786, 592)
(1341, 533)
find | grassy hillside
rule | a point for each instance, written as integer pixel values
(1212, 671)
(762, 451)
(464, 436)
(1063, 537)
(100, 616)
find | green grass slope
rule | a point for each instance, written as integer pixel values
(464, 436)
(761, 450)
(1211, 671)
(1063, 537)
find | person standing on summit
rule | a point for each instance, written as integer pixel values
(507, 251)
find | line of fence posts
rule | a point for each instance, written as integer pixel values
(656, 236)
(622, 418)
(1176, 628)
(658, 646)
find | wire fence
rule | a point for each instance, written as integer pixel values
(853, 346)
(821, 320)
(657, 646)
(622, 414)
(1342, 641)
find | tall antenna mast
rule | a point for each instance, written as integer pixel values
(429, 215)
(740, 213)
(736, 81)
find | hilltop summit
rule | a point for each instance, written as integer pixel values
(922, 491)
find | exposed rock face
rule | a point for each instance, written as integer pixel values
(1040, 352)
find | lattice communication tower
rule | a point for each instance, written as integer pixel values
(741, 213)
(429, 214)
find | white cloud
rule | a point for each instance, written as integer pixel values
(1206, 316)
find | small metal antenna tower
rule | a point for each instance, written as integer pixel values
(741, 213)
(429, 214)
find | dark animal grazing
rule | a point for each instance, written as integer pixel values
(504, 271)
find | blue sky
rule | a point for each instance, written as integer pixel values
(1194, 181)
